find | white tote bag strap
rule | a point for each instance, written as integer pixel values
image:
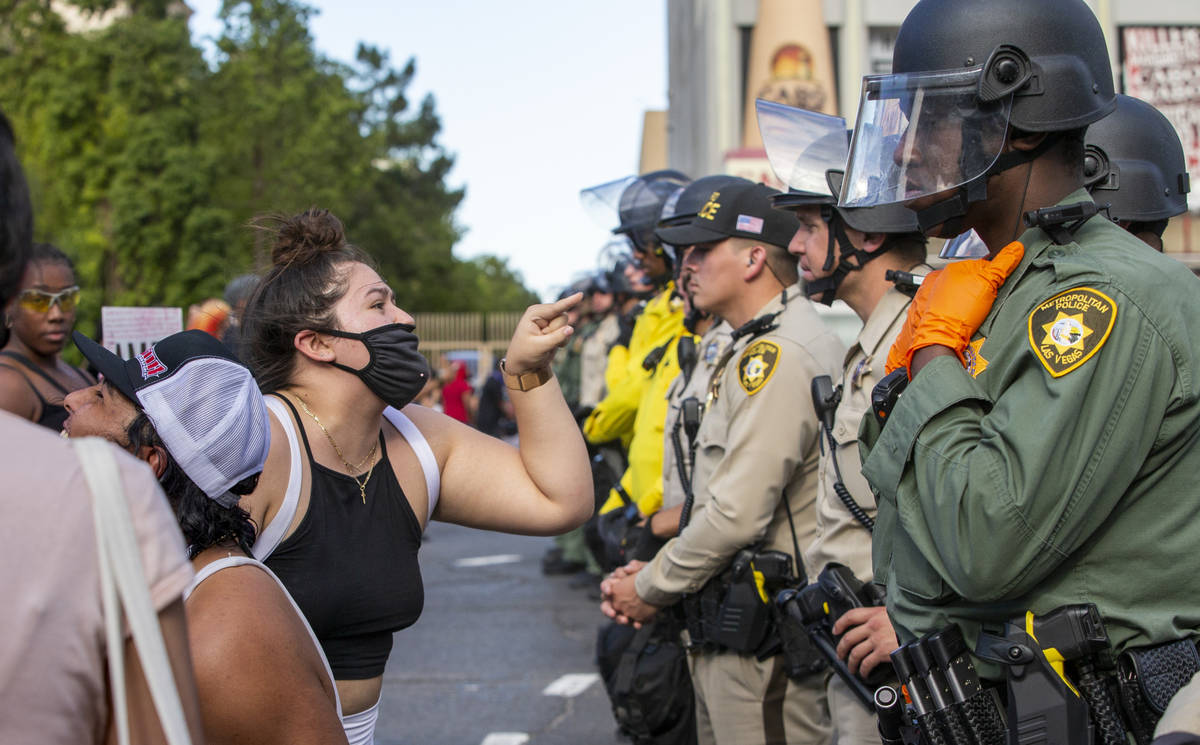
(121, 574)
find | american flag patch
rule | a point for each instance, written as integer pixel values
(748, 224)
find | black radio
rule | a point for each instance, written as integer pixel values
(818, 606)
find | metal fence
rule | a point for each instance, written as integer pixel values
(474, 338)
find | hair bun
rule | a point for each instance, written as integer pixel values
(303, 237)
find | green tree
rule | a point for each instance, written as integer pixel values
(147, 162)
(486, 283)
(301, 130)
(107, 128)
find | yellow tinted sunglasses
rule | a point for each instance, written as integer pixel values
(40, 301)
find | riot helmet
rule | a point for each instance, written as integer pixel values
(578, 285)
(618, 283)
(1134, 164)
(599, 282)
(807, 150)
(963, 73)
(639, 202)
(643, 202)
(615, 261)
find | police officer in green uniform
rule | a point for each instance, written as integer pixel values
(1044, 452)
(754, 476)
(845, 254)
(1134, 166)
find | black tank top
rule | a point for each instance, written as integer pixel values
(53, 414)
(352, 567)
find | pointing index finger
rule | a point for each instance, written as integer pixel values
(562, 306)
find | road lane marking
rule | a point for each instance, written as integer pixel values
(570, 685)
(505, 738)
(485, 561)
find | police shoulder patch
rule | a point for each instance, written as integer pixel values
(757, 364)
(1066, 330)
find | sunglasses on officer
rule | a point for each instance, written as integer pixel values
(40, 301)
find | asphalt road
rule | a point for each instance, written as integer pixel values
(495, 633)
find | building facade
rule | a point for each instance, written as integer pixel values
(1154, 45)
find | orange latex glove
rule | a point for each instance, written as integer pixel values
(898, 354)
(959, 300)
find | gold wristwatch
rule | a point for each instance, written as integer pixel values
(525, 381)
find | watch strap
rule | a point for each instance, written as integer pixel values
(525, 381)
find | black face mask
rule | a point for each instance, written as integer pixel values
(397, 372)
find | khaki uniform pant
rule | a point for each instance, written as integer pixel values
(741, 701)
(1183, 713)
(852, 723)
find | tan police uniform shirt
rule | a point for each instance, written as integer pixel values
(594, 360)
(839, 537)
(708, 353)
(756, 444)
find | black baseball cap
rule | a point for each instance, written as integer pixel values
(718, 207)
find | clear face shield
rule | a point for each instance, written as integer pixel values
(920, 134)
(618, 249)
(640, 209)
(602, 203)
(966, 245)
(618, 260)
(802, 145)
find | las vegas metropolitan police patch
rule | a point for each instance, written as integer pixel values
(1066, 330)
(756, 365)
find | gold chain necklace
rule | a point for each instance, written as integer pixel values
(362, 486)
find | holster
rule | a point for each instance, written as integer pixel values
(730, 613)
(1149, 677)
(801, 657)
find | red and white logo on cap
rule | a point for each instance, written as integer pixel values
(150, 364)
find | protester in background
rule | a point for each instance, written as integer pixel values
(39, 317)
(457, 394)
(202, 426)
(431, 394)
(210, 316)
(237, 294)
(54, 685)
(495, 413)
(325, 337)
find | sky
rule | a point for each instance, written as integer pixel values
(538, 99)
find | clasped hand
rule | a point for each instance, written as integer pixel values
(619, 599)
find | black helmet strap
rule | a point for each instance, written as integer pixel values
(953, 209)
(849, 259)
(648, 243)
